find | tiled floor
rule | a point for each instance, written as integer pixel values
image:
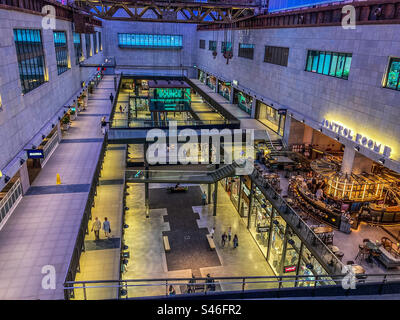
(103, 263)
(43, 228)
(148, 258)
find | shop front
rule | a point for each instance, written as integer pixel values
(202, 76)
(243, 100)
(224, 89)
(211, 82)
(282, 248)
(271, 117)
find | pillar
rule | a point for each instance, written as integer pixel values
(215, 198)
(348, 160)
(286, 132)
(231, 95)
(24, 177)
(308, 134)
(253, 108)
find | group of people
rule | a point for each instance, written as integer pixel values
(228, 236)
(315, 187)
(97, 226)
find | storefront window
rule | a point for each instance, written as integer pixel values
(245, 196)
(270, 117)
(202, 76)
(224, 89)
(277, 241)
(260, 220)
(244, 101)
(233, 185)
(211, 82)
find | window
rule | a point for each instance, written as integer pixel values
(95, 50)
(276, 55)
(88, 46)
(226, 46)
(246, 50)
(60, 44)
(100, 43)
(202, 44)
(393, 75)
(154, 41)
(332, 64)
(212, 45)
(30, 55)
(78, 48)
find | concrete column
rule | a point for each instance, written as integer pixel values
(253, 108)
(348, 160)
(24, 177)
(308, 134)
(215, 199)
(286, 132)
(231, 96)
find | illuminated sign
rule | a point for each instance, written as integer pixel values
(235, 82)
(357, 137)
(169, 93)
(35, 154)
(289, 269)
(1, 174)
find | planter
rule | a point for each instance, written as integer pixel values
(65, 126)
(72, 116)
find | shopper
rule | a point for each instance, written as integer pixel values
(235, 241)
(96, 228)
(120, 108)
(111, 98)
(229, 234)
(171, 290)
(204, 198)
(212, 232)
(103, 125)
(210, 285)
(223, 239)
(107, 228)
(191, 284)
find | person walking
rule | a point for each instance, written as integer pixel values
(106, 228)
(229, 234)
(212, 232)
(235, 241)
(204, 198)
(111, 98)
(103, 125)
(171, 290)
(120, 108)
(96, 228)
(223, 239)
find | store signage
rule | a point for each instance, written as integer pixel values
(282, 111)
(235, 82)
(35, 154)
(262, 229)
(288, 269)
(1, 174)
(357, 137)
(169, 93)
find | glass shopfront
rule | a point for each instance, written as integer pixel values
(202, 76)
(243, 100)
(211, 82)
(271, 117)
(279, 244)
(224, 89)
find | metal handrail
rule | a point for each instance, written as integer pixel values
(315, 281)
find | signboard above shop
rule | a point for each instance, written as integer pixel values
(35, 153)
(288, 269)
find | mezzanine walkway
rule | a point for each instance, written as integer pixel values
(246, 122)
(43, 228)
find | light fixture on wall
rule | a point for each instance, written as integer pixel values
(304, 121)
(337, 138)
(6, 179)
(357, 148)
(381, 160)
(320, 129)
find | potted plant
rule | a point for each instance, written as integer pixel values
(65, 123)
(72, 115)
